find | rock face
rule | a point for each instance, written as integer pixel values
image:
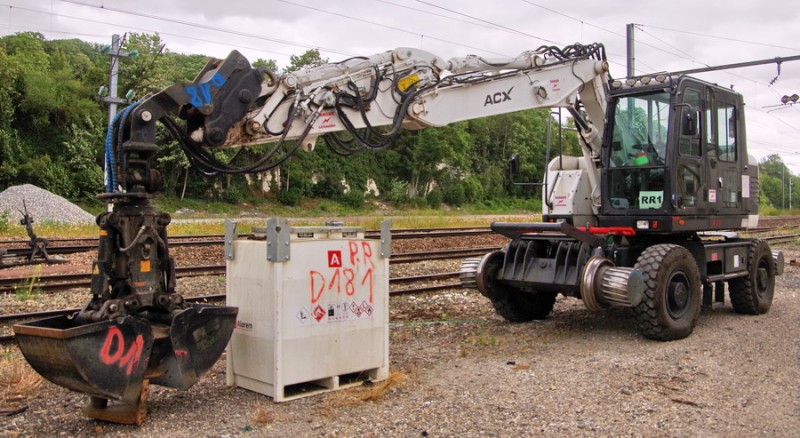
(42, 205)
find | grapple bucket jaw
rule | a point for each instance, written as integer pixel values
(117, 359)
(198, 336)
(106, 359)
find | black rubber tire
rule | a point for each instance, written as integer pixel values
(673, 297)
(752, 295)
(513, 304)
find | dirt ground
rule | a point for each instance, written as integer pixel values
(459, 370)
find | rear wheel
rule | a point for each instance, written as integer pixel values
(672, 300)
(513, 304)
(752, 295)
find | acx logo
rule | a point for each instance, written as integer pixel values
(498, 97)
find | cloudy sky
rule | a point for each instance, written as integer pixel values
(673, 35)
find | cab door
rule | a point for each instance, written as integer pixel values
(724, 155)
(691, 177)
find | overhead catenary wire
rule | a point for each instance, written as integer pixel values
(207, 27)
(121, 25)
(386, 26)
(578, 19)
(738, 40)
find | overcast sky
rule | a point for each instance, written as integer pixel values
(670, 35)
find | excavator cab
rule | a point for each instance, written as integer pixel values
(674, 158)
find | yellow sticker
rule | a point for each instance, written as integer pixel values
(144, 266)
(406, 82)
(96, 270)
(103, 233)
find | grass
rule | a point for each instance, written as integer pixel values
(311, 212)
(29, 290)
(375, 392)
(18, 381)
(262, 417)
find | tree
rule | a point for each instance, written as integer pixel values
(309, 58)
(46, 107)
(774, 179)
(269, 64)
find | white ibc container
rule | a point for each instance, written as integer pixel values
(313, 309)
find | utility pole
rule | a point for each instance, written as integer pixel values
(115, 52)
(631, 56)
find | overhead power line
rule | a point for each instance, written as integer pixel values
(143, 29)
(386, 26)
(499, 26)
(722, 37)
(207, 27)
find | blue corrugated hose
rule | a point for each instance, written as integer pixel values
(111, 176)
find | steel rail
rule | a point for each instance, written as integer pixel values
(216, 297)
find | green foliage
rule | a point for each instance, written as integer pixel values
(269, 64)
(398, 193)
(309, 58)
(456, 195)
(353, 199)
(52, 132)
(5, 222)
(435, 198)
(29, 288)
(327, 186)
(291, 196)
(778, 185)
(50, 124)
(233, 194)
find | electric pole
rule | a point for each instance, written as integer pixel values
(631, 56)
(115, 52)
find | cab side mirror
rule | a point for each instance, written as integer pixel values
(690, 121)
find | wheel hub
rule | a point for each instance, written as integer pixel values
(677, 296)
(762, 280)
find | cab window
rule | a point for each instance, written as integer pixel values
(726, 132)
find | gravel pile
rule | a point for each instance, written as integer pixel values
(42, 205)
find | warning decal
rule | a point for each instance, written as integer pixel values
(334, 259)
(319, 313)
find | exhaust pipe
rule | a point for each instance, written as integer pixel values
(603, 285)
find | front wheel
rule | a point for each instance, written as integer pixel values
(752, 295)
(673, 299)
(513, 304)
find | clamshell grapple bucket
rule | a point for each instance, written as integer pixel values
(106, 359)
(116, 359)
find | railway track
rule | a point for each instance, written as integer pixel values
(6, 321)
(55, 283)
(16, 248)
(70, 281)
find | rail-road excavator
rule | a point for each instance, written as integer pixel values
(640, 220)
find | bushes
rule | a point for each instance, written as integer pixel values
(352, 199)
(435, 198)
(290, 197)
(398, 193)
(456, 195)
